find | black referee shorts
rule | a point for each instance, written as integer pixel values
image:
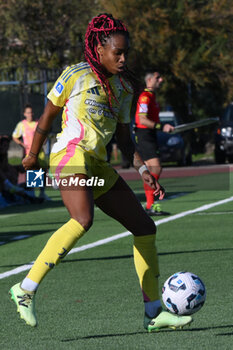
(146, 143)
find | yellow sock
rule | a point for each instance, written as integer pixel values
(59, 244)
(146, 264)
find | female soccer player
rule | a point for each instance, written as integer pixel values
(96, 96)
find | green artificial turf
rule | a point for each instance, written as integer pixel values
(92, 300)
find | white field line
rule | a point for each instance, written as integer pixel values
(216, 213)
(121, 235)
(7, 216)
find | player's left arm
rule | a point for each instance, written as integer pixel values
(127, 147)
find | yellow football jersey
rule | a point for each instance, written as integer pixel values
(87, 120)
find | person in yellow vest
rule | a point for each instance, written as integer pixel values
(23, 136)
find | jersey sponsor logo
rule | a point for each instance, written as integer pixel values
(58, 89)
(143, 108)
(95, 104)
(100, 112)
(101, 108)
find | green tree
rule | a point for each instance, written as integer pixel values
(191, 43)
(45, 33)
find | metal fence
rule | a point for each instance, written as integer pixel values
(19, 86)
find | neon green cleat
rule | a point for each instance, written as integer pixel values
(25, 302)
(155, 210)
(166, 320)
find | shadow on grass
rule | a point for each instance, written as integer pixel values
(11, 237)
(160, 254)
(168, 195)
(135, 333)
(61, 221)
(27, 208)
(130, 256)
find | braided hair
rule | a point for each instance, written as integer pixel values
(99, 30)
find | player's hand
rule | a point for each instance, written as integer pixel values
(153, 183)
(160, 191)
(29, 162)
(149, 179)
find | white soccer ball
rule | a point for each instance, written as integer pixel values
(184, 293)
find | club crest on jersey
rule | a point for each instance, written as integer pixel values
(58, 89)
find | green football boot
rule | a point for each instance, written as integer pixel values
(25, 302)
(156, 210)
(166, 320)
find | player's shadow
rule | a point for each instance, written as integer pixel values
(168, 195)
(117, 257)
(163, 331)
(160, 254)
(197, 251)
(129, 256)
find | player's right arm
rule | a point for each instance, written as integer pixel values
(43, 127)
(57, 98)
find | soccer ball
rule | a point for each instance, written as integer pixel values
(184, 293)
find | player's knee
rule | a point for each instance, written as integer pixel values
(148, 227)
(85, 221)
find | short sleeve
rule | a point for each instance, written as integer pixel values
(18, 132)
(61, 90)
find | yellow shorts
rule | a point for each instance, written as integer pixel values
(66, 163)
